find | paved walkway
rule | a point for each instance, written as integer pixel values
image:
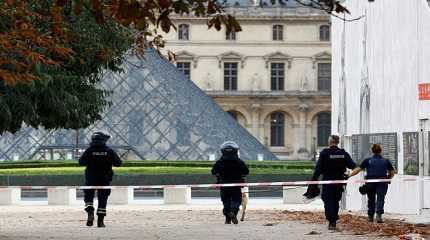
(149, 217)
(150, 222)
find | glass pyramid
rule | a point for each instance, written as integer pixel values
(156, 114)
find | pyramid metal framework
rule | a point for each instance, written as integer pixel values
(156, 114)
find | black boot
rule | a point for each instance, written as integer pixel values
(90, 212)
(332, 226)
(233, 217)
(370, 218)
(100, 222)
(227, 220)
(379, 218)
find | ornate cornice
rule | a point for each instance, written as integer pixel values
(322, 56)
(231, 56)
(187, 56)
(278, 56)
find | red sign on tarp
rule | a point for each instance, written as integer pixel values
(424, 91)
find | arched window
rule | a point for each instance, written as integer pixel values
(325, 33)
(278, 32)
(183, 32)
(323, 128)
(277, 129)
(233, 114)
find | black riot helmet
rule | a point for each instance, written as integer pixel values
(99, 138)
(229, 147)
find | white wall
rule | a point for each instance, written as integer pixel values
(397, 45)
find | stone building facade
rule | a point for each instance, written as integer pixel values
(274, 77)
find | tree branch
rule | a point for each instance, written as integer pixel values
(328, 11)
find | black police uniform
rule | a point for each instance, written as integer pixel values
(98, 159)
(230, 169)
(332, 164)
(376, 167)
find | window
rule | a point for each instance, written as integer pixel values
(233, 114)
(185, 68)
(278, 33)
(323, 128)
(277, 76)
(230, 35)
(230, 76)
(183, 32)
(277, 126)
(325, 33)
(324, 77)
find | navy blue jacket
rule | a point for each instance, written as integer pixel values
(99, 160)
(332, 164)
(376, 167)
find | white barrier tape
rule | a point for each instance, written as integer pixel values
(263, 184)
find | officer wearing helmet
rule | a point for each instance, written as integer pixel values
(230, 169)
(98, 159)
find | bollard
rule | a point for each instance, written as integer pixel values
(61, 196)
(177, 195)
(293, 195)
(260, 157)
(121, 195)
(10, 196)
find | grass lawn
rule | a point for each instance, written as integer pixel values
(140, 170)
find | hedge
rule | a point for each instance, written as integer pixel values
(292, 165)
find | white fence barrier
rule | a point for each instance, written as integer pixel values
(61, 196)
(177, 195)
(10, 196)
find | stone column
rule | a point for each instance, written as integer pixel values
(302, 151)
(255, 121)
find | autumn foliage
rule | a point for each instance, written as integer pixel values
(23, 45)
(358, 225)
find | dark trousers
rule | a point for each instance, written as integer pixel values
(376, 197)
(102, 197)
(231, 198)
(331, 195)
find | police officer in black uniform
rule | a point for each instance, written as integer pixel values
(332, 164)
(98, 159)
(230, 169)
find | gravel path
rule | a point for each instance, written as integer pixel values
(136, 222)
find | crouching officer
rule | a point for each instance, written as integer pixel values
(230, 169)
(332, 164)
(98, 159)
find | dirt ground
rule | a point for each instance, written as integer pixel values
(135, 222)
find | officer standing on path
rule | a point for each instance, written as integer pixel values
(230, 169)
(332, 164)
(98, 159)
